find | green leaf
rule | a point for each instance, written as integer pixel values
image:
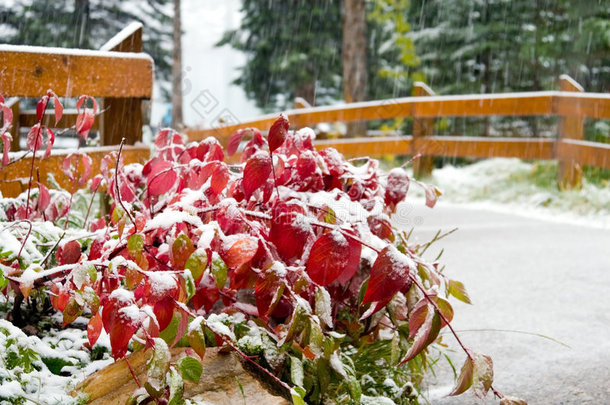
(296, 371)
(196, 263)
(298, 398)
(72, 311)
(135, 244)
(190, 368)
(176, 387)
(322, 307)
(158, 364)
(196, 339)
(182, 249)
(458, 290)
(219, 270)
(189, 284)
(3, 281)
(355, 390)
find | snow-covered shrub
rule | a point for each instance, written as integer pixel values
(288, 258)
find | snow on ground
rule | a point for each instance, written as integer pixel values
(509, 186)
(36, 371)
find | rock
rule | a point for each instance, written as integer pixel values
(218, 384)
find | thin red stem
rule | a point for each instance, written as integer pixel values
(116, 186)
(133, 374)
(38, 131)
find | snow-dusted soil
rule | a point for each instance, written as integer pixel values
(538, 276)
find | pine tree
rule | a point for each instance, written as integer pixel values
(294, 49)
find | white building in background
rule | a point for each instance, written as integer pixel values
(208, 70)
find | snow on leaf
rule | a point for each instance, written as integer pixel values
(397, 186)
(328, 258)
(323, 307)
(196, 339)
(277, 132)
(483, 374)
(508, 400)
(432, 194)
(389, 274)
(256, 172)
(240, 252)
(158, 365)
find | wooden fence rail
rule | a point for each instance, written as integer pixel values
(570, 104)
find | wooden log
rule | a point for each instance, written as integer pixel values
(123, 117)
(571, 126)
(29, 71)
(422, 127)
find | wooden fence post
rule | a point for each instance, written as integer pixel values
(123, 117)
(422, 127)
(571, 126)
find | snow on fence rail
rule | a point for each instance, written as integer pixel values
(571, 104)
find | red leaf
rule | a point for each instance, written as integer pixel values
(161, 178)
(277, 132)
(121, 331)
(34, 138)
(289, 233)
(182, 326)
(236, 138)
(241, 252)
(432, 194)
(397, 187)
(71, 252)
(328, 258)
(353, 261)
(389, 274)
(306, 164)
(40, 107)
(94, 328)
(7, 117)
(164, 310)
(50, 141)
(429, 325)
(44, 198)
(59, 111)
(220, 178)
(268, 291)
(256, 172)
(206, 293)
(6, 147)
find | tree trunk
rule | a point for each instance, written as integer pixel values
(307, 91)
(354, 49)
(177, 69)
(80, 19)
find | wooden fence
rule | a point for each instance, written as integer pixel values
(119, 75)
(570, 104)
(122, 76)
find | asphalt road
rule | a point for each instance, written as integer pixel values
(527, 275)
